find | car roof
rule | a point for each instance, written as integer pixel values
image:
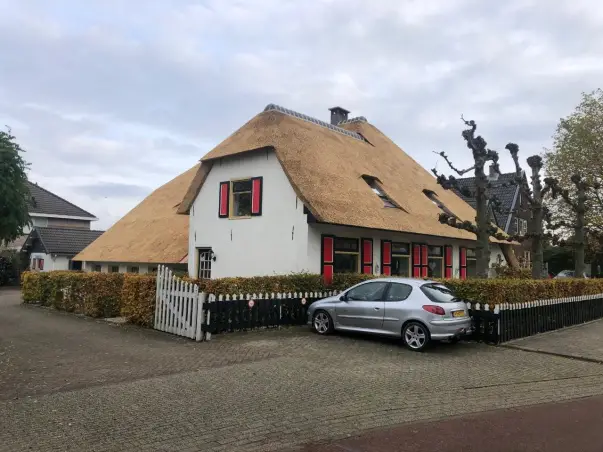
(410, 281)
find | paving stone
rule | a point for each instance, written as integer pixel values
(74, 384)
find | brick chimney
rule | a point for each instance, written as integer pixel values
(338, 115)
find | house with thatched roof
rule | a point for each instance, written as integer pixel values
(290, 193)
(152, 233)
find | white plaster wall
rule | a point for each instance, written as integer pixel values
(88, 266)
(51, 263)
(273, 243)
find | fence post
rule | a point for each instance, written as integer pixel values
(199, 302)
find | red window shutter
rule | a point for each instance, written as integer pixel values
(448, 256)
(416, 255)
(386, 257)
(327, 267)
(327, 271)
(41, 264)
(224, 199)
(463, 263)
(423, 254)
(387, 252)
(256, 196)
(448, 262)
(367, 251)
(416, 272)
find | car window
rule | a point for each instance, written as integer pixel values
(398, 292)
(439, 293)
(372, 291)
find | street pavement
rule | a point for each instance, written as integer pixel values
(555, 427)
(580, 342)
(69, 383)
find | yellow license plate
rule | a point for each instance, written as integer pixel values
(458, 313)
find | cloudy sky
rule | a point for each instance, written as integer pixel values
(112, 98)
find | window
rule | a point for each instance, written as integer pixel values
(401, 259)
(240, 198)
(347, 258)
(114, 269)
(372, 291)
(204, 264)
(438, 293)
(398, 292)
(378, 190)
(435, 261)
(523, 226)
(39, 222)
(133, 269)
(75, 265)
(434, 199)
(96, 268)
(153, 270)
(515, 225)
(471, 263)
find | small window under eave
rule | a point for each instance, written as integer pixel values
(378, 190)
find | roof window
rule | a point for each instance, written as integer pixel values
(434, 199)
(373, 182)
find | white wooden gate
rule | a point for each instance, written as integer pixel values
(178, 306)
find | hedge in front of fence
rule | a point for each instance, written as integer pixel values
(138, 299)
(92, 294)
(496, 291)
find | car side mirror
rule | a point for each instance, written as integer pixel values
(343, 298)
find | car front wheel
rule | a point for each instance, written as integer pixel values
(415, 336)
(322, 322)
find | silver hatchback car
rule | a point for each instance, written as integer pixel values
(418, 311)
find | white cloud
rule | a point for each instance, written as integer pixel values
(118, 97)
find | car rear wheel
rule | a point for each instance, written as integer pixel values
(322, 322)
(415, 336)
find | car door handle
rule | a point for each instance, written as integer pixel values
(376, 308)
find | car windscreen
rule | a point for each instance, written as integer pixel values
(439, 293)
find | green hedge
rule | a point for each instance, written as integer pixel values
(133, 296)
(92, 294)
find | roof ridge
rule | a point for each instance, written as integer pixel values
(318, 122)
(62, 199)
(352, 120)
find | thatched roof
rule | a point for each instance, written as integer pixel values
(151, 232)
(326, 169)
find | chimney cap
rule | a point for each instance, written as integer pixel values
(339, 110)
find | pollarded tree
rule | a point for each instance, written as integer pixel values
(14, 193)
(483, 228)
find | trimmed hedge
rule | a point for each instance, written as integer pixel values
(133, 296)
(138, 299)
(92, 294)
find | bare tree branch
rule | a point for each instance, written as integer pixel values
(456, 170)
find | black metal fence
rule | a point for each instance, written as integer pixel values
(510, 321)
(248, 312)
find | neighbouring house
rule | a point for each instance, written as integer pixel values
(290, 193)
(514, 211)
(59, 230)
(152, 233)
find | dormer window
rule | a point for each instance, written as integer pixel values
(434, 199)
(378, 190)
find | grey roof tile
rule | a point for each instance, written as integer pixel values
(45, 202)
(68, 241)
(506, 195)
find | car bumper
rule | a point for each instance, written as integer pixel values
(448, 329)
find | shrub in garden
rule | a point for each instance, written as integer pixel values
(138, 299)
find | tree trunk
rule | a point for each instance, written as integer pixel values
(580, 268)
(482, 248)
(537, 219)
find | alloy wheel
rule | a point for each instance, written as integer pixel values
(415, 336)
(322, 322)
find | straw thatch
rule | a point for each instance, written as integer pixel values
(152, 232)
(325, 169)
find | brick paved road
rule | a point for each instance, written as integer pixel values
(582, 341)
(74, 384)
